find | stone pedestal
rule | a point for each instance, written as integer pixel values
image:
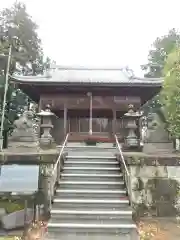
(24, 136)
(45, 178)
(46, 139)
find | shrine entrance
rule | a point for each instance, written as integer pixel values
(79, 125)
(105, 123)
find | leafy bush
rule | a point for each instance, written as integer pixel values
(170, 95)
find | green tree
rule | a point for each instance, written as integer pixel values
(161, 48)
(18, 30)
(157, 57)
(16, 22)
(170, 95)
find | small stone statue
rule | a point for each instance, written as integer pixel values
(24, 127)
(143, 129)
(24, 133)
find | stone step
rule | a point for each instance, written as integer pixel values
(90, 159)
(89, 219)
(122, 227)
(131, 235)
(91, 207)
(65, 184)
(91, 177)
(89, 156)
(97, 162)
(91, 200)
(95, 170)
(95, 215)
(91, 203)
(91, 193)
(90, 164)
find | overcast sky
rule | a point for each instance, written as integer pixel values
(101, 33)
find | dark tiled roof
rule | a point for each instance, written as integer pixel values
(88, 76)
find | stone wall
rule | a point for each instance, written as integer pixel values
(158, 148)
(155, 180)
(155, 189)
(155, 183)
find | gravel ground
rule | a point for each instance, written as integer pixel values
(166, 229)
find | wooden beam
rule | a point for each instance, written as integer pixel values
(83, 102)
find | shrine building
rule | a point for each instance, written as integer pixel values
(90, 101)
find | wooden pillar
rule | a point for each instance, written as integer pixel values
(90, 112)
(40, 105)
(114, 122)
(65, 120)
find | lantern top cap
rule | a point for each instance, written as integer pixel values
(46, 112)
(131, 112)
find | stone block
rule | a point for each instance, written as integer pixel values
(165, 209)
(148, 171)
(155, 190)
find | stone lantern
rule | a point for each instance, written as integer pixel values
(46, 138)
(132, 140)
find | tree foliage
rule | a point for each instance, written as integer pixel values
(161, 48)
(157, 57)
(27, 54)
(17, 29)
(170, 95)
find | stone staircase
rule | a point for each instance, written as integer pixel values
(91, 200)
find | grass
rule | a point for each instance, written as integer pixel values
(7, 238)
(10, 206)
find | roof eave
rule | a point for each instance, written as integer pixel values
(46, 82)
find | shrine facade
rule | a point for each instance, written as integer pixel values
(90, 102)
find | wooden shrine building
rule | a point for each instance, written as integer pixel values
(88, 101)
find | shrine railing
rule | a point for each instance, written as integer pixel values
(56, 172)
(126, 174)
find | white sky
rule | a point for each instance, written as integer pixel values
(101, 33)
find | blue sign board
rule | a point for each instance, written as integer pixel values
(19, 179)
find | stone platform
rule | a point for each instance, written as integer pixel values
(155, 177)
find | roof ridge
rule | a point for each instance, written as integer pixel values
(60, 67)
(17, 76)
(145, 78)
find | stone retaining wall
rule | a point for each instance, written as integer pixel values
(155, 183)
(155, 180)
